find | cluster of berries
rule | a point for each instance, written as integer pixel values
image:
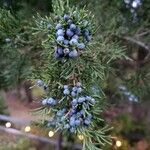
(76, 114)
(71, 37)
(74, 91)
(133, 5)
(131, 97)
(49, 102)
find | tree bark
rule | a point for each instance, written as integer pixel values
(59, 144)
(27, 85)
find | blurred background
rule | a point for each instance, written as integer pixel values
(127, 88)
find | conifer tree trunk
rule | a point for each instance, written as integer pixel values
(28, 92)
(59, 144)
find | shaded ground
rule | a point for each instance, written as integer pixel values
(20, 109)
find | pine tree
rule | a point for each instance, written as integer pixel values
(15, 64)
(74, 67)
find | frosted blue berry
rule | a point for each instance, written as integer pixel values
(40, 83)
(69, 21)
(95, 90)
(88, 98)
(49, 26)
(86, 32)
(63, 110)
(77, 122)
(73, 94)
(73, 27)
(92, 101)
(132, 98)
(59, 113)
(82, 112)
(72, 121)
(134, 4)
(127, 93)
(67, 126)
(79, 90)
(87, 122)
(74, 102)
(54, 103)
(122, 88)
(66, 92)
(60, 39)
(60, 50)
(56, 55)
(73, 54)
(66, 17)
(78, 84)
(81, 99)
(74, 89)
(81, 46)
(51, 101)
(84, 98)
(135, 99)
(66, 42)
(73, 42)
(72, 130)
(58, 26)
(44, 102)
(79, 115)
(75, 37)
(66, 86)
(89, 116)
(7, 40)
(69, 33)
(60, 32)
(63, 118)
(127, 1)
(78, 31)
(89, 38)
(66, 51)
(72, 118)
(73, 111)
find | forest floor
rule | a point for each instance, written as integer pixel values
(20, 108)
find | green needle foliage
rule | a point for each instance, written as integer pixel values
(96, 66)
(3, 107)
(91, 68)
(14, 63)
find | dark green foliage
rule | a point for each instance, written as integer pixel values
(17, 144)
(2, 106)
(17, 5)
(115, 24)
(130, 129)
(14, 64)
